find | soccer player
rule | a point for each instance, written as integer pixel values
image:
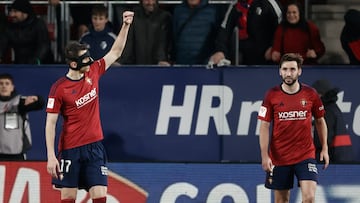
(290, 151)
(81, 160)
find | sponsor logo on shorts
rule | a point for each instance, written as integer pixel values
(104, 170)
(312, 168)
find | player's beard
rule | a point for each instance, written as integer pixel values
(290, 81)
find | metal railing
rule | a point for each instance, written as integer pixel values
(65, 22)
(65, 16)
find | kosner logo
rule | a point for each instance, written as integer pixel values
(292, 115)
(218, 115)
(88, 97)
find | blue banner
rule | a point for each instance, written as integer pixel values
(184, 114)
(28, 181)
(231, 183)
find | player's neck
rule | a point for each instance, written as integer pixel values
(74, 75)
(291, 89)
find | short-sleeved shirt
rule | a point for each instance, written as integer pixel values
(291, 141)
(78, 103)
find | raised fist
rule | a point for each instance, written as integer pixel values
(128, 17)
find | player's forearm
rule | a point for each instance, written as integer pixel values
(120, 41)
(264, 145)
(322, 132)
(50, 140)
(264, 140)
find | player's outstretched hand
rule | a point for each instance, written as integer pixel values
(128, 17)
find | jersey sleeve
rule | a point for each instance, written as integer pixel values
(318, 109)
(100, 66)
(54, 100)
(266, 110)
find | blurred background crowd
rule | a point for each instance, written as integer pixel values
(184, 32)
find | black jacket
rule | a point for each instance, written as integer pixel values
(262, 21)
(339, 152)
(148, 39)
(30, 41)
(351, 33)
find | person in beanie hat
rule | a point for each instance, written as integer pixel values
(22, 5)
(339, 140)
(27, 35)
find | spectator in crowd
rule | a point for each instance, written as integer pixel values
(297, 35)
(100, 37)
(339, 141)
(81, 17)
(149, 36)
(27, 35)
(350, 36)
(256, 21)
(15, 135)
(195, 25)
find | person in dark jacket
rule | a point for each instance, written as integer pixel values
(256, 21)
(15, 134)
(195, 26)
(27, 35)
(149, 36)
(350, 36)
(339, 140)
(100, 37)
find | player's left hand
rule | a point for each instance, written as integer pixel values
(324, 156)
(128, 17)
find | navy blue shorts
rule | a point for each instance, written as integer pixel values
(83, 167)
(282, 177)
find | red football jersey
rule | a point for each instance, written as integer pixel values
(291, 116)
(77, 101)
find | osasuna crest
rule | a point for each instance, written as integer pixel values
(88, 80)
(303, 102)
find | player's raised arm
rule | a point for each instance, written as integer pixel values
(119, 44)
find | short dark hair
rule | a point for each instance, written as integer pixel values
(73, 49)
(6, 76)
(100, 10)
(292, 57)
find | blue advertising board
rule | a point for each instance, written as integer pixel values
(231, 183)
(28, 181)
(185, 114)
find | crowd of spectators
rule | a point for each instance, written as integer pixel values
(193, 32)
